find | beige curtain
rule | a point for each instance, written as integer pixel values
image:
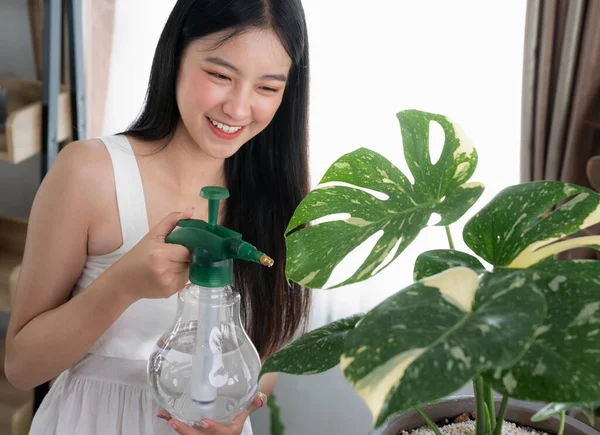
(561, 82)
(98, 27)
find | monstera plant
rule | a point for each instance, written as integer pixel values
(525, 325)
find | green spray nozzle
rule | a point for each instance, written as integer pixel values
(213, 246)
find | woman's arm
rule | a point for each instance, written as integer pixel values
(43, 325)
(48, 332)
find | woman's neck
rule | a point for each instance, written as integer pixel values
(184, 166)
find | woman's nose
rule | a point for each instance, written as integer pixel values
(238, 104)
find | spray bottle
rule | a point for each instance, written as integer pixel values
(206, 366)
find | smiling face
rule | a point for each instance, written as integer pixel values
(229, 93)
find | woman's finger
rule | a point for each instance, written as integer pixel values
(178, 253)
(184, 429)
(169, 222)
(259, 401)
(180, 267)
(164, 415)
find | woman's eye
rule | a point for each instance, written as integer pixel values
(218, 76)
(265, 88)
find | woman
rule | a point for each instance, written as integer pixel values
(226, 105)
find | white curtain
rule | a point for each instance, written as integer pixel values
(369, 60)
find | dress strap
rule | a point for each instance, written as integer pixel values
(129, 189)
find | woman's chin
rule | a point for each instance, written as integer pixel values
(220, 151)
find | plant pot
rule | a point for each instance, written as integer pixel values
(517, 412)
(582, 417)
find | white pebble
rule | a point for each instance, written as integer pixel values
(468, 428)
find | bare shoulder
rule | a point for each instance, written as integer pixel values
(79, 187)
(84, 169)
(84, 158)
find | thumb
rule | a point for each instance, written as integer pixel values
(168, 224)
(259, 401)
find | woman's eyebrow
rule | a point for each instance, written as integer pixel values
(225, 64)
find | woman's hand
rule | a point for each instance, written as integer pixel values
(206, 426)
(154, 268)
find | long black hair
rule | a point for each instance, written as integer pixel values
(268, 177)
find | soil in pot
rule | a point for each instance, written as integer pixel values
(465, 425)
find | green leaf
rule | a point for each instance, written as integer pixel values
(315, 352)
(438, 260)
(315, 250)
(515, 229)
(428, 340)
(562, 364)
(553, 409)
(277, 427)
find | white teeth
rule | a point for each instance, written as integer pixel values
(224, 127)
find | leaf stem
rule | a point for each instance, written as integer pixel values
(501, 414)
(561, 429)
(489, 400)
(430, 423)
(277, 427)
(449, 236)
(488, 420)
(480, 420)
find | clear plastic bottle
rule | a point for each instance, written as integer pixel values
(220, 380)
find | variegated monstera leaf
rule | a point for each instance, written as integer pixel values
(431, 338)
(441, 188)
(527, 223)
(524, 227)
(563, 360)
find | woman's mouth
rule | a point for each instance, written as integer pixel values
(224, 131)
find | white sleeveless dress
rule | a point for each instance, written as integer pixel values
(105, 393)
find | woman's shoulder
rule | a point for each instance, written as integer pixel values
(83, 151)
(83, 169)
(83, 160)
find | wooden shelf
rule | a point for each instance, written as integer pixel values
(12, 245)
(22, 138)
